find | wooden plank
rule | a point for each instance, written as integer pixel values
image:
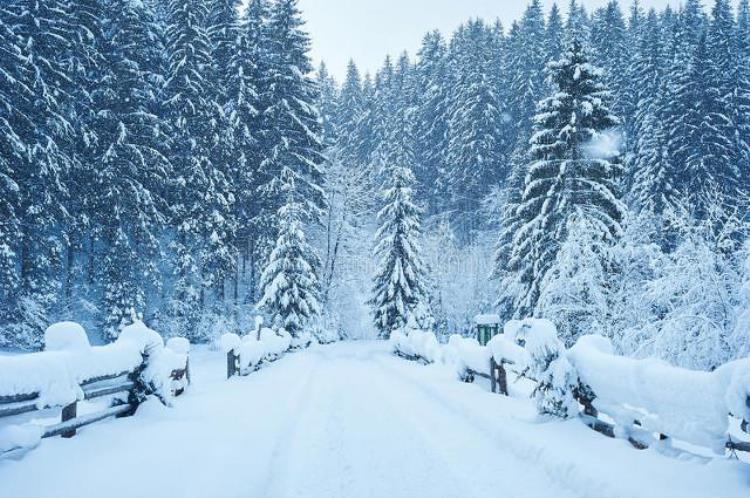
(69, 413)
(739, 446)
(77, 423)
(93, 393)
(18, 398)
(17, 408)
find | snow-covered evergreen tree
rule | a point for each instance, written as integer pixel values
(289, 281)
(133, 169)
(399, 282)
(570, 174)
(292, 139)
(476, 128)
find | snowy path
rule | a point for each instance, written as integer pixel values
(350, 421)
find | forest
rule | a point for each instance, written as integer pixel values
(183, 161)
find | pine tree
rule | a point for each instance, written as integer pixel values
(293, 141)
(327, 104)
(399, 284)
(43, 31)
(432, 108)
(567, 176)
(13, 91)
(133, 169)
(249, 94)
(198, 193)
(742, 89)
(289, 281)
(477, 147)
(348, 120)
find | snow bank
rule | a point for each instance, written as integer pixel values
(56, 374)
(14, 437)
(271, 346)
(417, 343)
(470, 353)
(685, 404)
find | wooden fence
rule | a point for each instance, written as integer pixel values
(497, 374)
(116, 383)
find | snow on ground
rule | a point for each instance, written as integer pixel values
(350, 420)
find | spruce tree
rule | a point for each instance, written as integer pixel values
(133, 169)
(289, 281)
(476, 128)
(567, 176)
(399, 283)
(292, 139)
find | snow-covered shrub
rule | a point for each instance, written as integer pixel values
(303, 340)
(574, 292)
(556, 377)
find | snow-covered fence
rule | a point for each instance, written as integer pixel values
(247, 354)
(70, 370)
(643, 401)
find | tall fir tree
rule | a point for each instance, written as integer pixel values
(568, 176)
(133, 168)
(399, 283)
(291, 289)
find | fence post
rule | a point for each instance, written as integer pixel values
(502, 379)
(69, 412)
(231, 364)
(493, 379)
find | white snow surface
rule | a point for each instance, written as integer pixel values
(351, 420)
(685, 404)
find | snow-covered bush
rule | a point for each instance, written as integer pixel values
(574, 292)
(548, 364)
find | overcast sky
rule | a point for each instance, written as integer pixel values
(367, 30)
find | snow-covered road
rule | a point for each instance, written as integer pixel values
(349, 420)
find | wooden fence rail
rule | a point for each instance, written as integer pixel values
(117, 383)
(497, 374)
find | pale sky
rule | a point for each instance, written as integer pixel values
(367, 30)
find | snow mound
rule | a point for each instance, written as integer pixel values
(684, 404)
(179, 345)
(229, 342)
(14, 437)
(270, 347)
(505, 351)
(65, 336)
